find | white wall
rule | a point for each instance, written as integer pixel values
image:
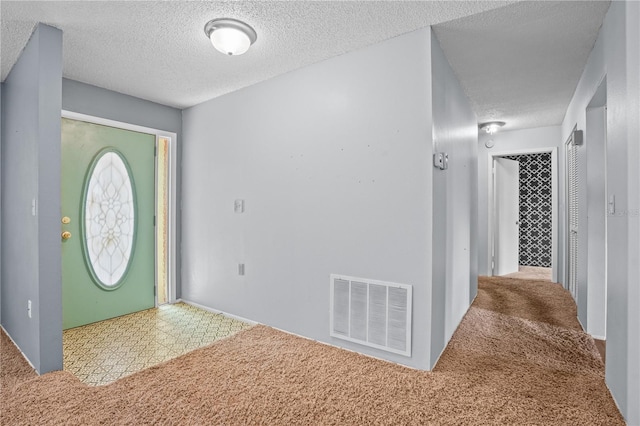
(616, 55)
(334, 162)
(632, 108)
(1, 85)
(633, 132)
(512, 142)
(455, 273)
(31, 261)
(596, 206)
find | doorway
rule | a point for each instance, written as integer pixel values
(594, 206)
(506, 259)
(535, 210)
(117, 219)
(537, 229)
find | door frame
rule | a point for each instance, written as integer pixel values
(555, 260)
(567, 208)
(497, 264)
(172, 196)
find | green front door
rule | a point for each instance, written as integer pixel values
(107, 223)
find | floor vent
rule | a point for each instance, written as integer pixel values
(372, 313)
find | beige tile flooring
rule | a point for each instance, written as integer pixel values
(105, 351)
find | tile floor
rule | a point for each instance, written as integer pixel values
(103, 352)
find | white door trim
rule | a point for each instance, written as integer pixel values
(171, 278)
(506, 192)
(555, 260)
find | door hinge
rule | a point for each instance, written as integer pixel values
(154, 220)
(155, 151)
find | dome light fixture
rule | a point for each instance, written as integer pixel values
(230, 36)
(492, 126)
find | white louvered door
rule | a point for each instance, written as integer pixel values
(572, 213)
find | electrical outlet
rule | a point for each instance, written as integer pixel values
(29, 308)
(240, 268)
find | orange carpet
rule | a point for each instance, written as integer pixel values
(518, 357)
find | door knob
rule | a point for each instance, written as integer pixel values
(66, 235)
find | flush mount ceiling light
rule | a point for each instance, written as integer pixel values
(230, 36)
(492, 126)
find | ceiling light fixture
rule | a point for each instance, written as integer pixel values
(492, 126)
(230, 36)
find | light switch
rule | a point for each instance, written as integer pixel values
(612, 204)
(441, 160)
(238, 206)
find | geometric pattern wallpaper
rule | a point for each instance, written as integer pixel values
(535, 209)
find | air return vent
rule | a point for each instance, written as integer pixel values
(372, 313)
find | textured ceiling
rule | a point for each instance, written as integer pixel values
(521, 63)
(158, 51)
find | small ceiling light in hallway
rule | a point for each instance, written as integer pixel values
(492, 126)
(230, 36)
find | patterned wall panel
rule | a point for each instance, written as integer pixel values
(535, 209)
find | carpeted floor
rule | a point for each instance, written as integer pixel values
(14, 369)
(518, 357)
(531, 273)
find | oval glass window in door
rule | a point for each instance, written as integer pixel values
(109, 219)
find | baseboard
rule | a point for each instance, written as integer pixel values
(454, 332)
(216, 311)
(346, 349)
(22, 353)
(592, 335)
